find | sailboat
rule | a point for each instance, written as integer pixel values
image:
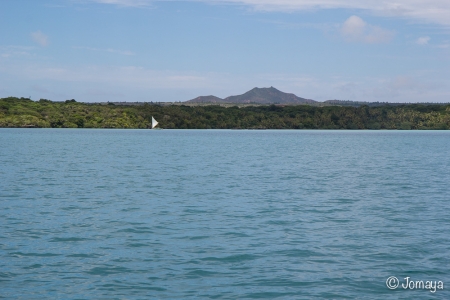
(154, 122)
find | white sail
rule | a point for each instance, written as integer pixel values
(154, 122)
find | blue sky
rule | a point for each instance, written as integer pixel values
(148, 50)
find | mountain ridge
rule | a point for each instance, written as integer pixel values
(256, 96)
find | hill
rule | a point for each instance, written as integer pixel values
(257, 96)
(206, 99)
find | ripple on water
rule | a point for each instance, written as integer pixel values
(135, 214)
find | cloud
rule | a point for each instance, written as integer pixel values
(445, 45)
(40, 38)
(422, 86)
(10, 51)
(434, 11)
(107, 83)
(423, 40)
(126, 3)
(133, 83)
(110, 50)
(431, 11)
(406, 86)
(355, 29)
(40, 89)
(130, 76)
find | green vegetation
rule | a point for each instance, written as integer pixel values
(23, 112)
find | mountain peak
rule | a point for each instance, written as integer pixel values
(267, 96)
(257, 95)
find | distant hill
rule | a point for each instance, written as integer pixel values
(356, 103)
(256, 96)
(375, 104)
(207, 99)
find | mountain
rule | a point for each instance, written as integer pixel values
(267, 96)
(207, 99)
(371, 104)
(256, 96)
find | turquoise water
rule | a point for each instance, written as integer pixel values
(223, 214)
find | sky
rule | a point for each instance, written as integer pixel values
(150, 50)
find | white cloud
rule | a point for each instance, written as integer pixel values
(130, 76)
(423, 40)
(40, 38)
(445, 45)
(110, 50)
(10, 51)
(417, 89)
(113, 82)
(126, 3)
(435, 11)
(355, 29)
(432, 11)
(132, 83)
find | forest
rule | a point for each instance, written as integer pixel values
(26, 113)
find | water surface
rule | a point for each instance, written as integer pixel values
(223, 214)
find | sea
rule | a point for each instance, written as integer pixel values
(224, 214)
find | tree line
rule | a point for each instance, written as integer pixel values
(23, 112)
